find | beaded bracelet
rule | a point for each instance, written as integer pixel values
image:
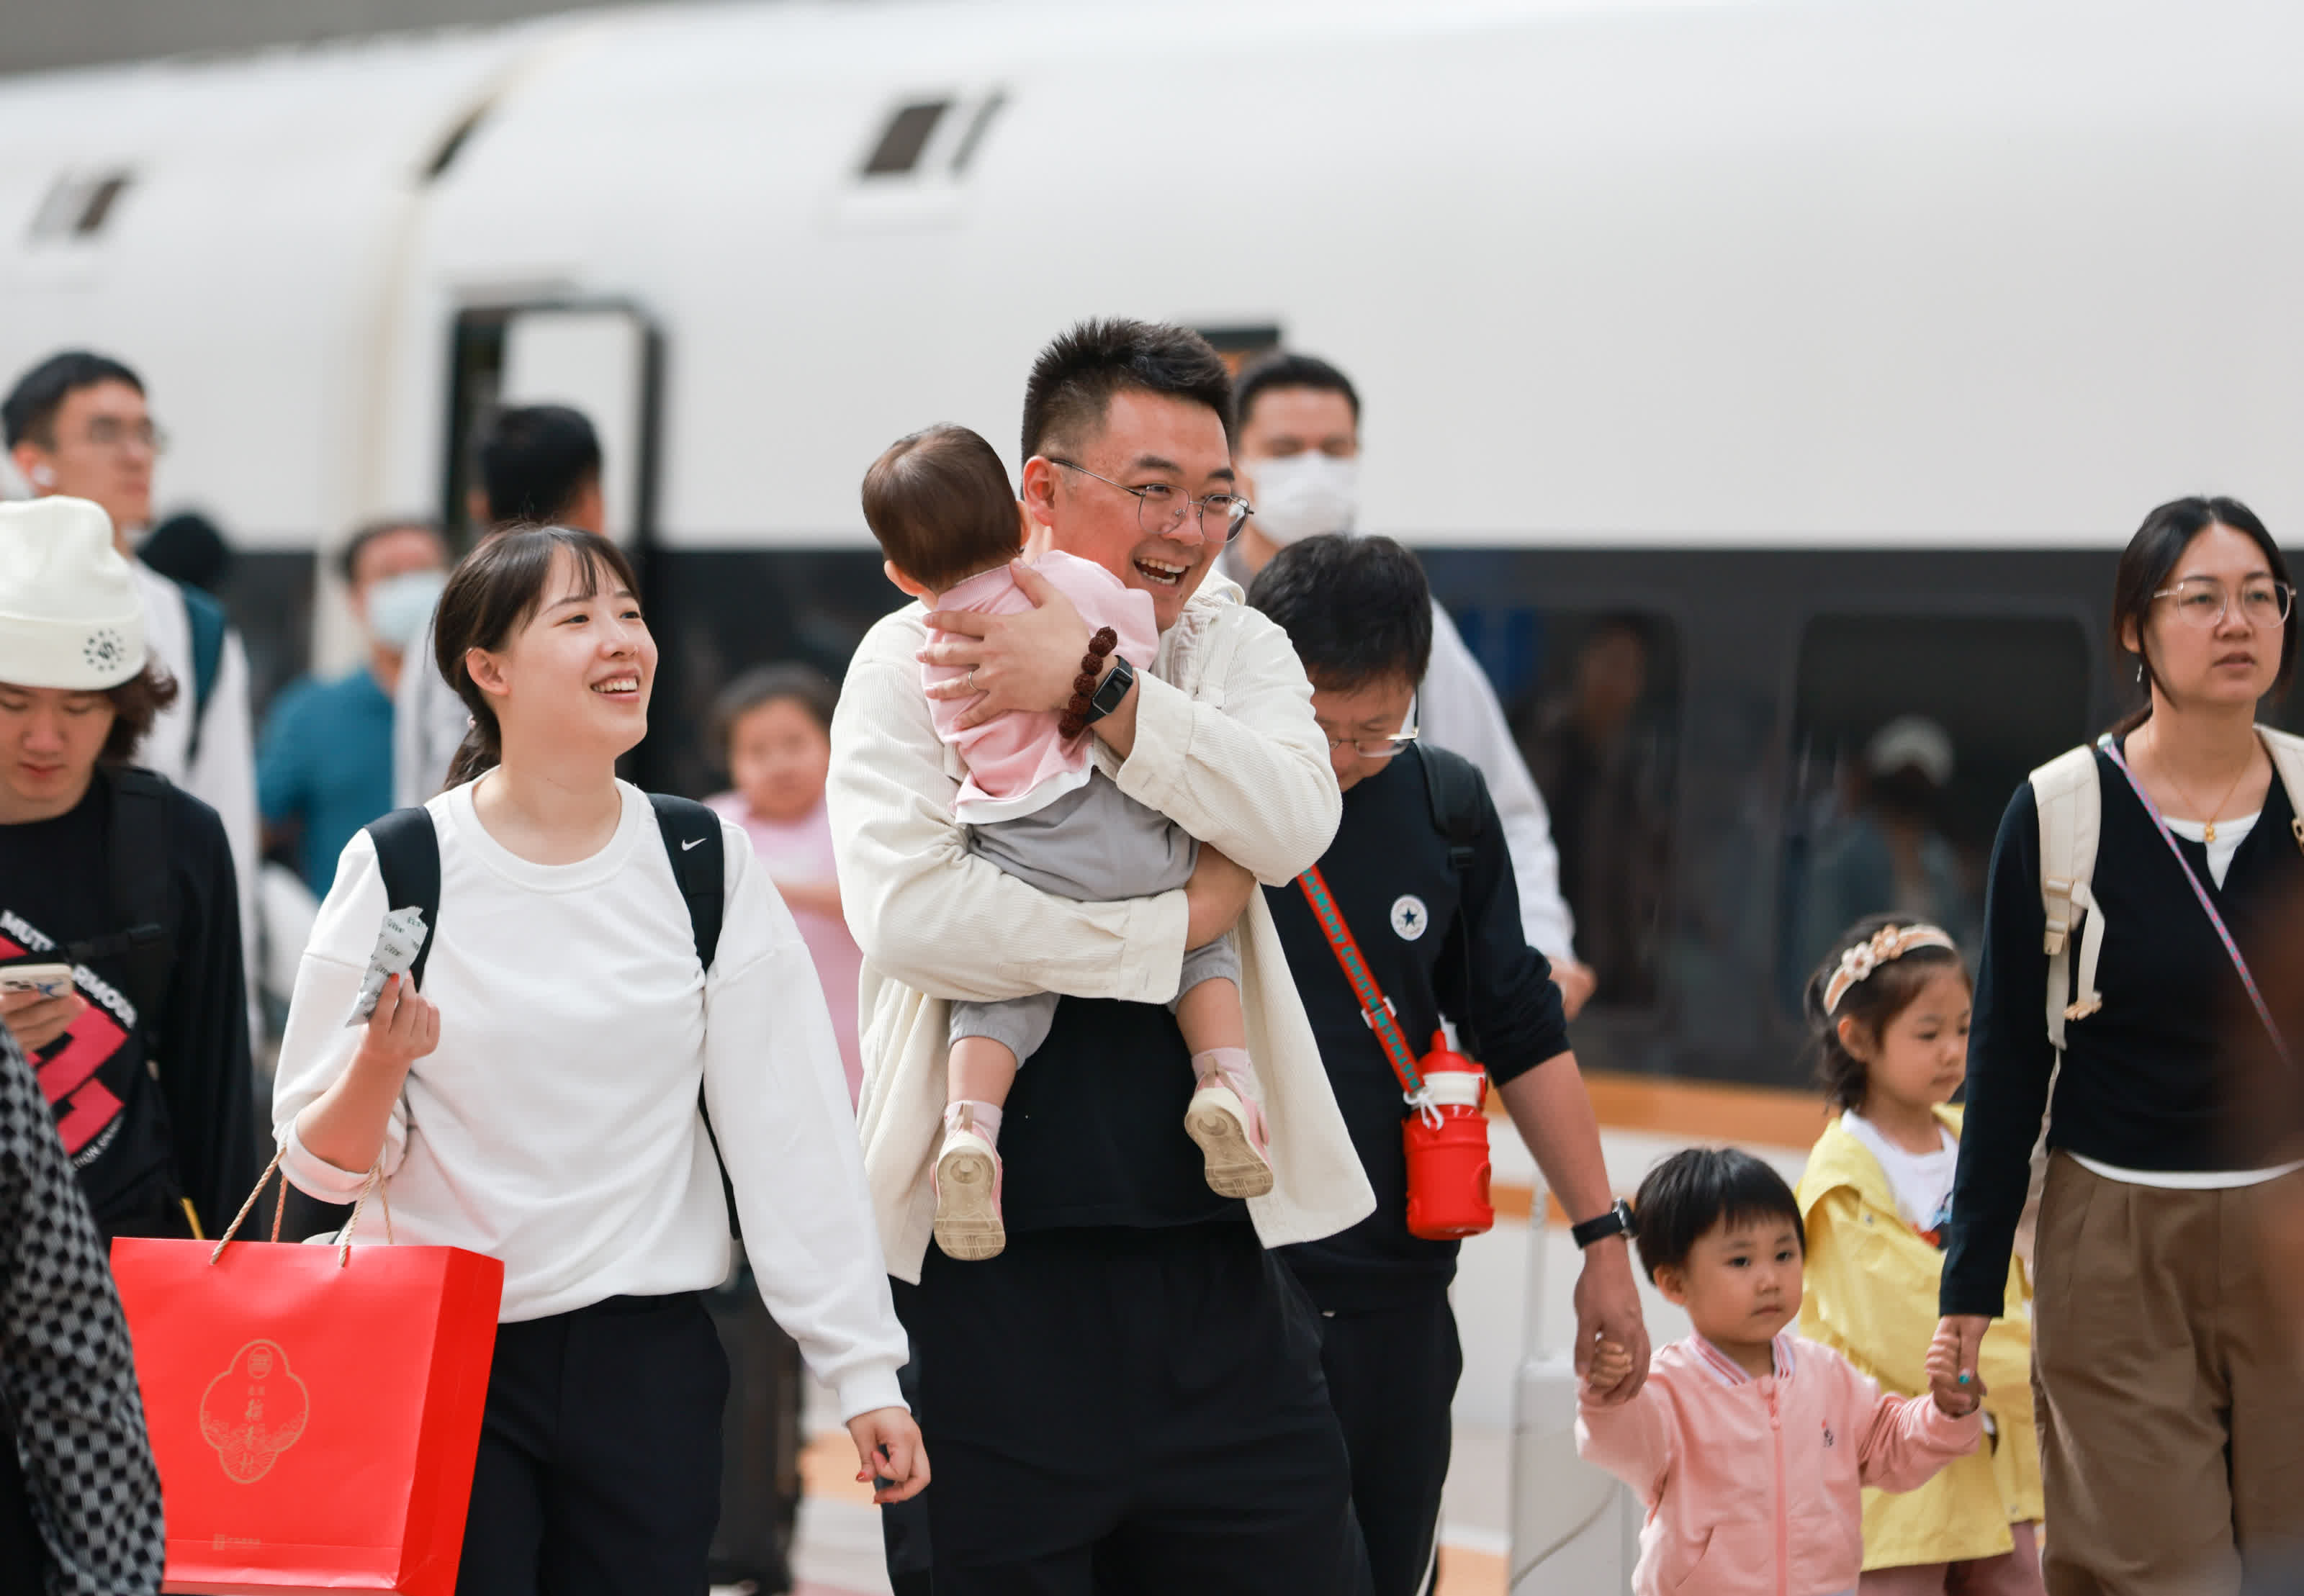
(1074, 720)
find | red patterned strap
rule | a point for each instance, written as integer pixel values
(1376, 1008)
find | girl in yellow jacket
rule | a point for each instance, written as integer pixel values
(1889, 1011)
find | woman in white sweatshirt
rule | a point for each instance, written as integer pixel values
(538, 1101)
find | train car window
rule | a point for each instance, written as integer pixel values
(905, 137)
(1593, 698)
(978, 126)
(79, 204)
(1909, 733)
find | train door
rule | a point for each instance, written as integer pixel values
(603, 358)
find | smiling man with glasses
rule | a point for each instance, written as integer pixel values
(76, 423)
(1123, 1274)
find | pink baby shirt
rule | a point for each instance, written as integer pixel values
(1017, 762)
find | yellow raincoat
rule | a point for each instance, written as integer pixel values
(1871, 1293)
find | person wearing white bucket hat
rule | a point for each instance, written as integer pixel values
(140, 1043)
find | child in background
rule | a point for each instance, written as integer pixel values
(1889, 1011)
(941, 506)
(772, 727)
(1749, 1447)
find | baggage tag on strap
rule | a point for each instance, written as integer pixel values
(397, 947)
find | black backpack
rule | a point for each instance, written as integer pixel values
(1457, 794)
(144, 948)
(408, 855)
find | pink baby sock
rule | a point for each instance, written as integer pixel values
(986, 1116)
(1229, 1062)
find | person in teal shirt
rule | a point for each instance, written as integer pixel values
(324, 764)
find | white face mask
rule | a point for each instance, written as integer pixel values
(1305, 495)
(398, 607)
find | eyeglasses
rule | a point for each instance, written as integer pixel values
(111, 433)
(2204, 602)
(1160, 510)
(1373, 748)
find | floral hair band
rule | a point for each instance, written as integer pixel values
(1885, 946)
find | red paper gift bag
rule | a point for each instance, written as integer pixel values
(315, 1411)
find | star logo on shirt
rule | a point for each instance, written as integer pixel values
(1410, 917)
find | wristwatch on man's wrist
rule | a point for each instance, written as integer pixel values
(1115, 687)
(1616, 1221)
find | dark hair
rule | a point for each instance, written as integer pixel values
(534, 460)
(29, 411)
(1073, 381)
(2151, 558)
(348, 562)
(1699, 1187)
(803, 685)
(1356, 609)
(188, 548)
(1284, 369)
(136, 704)
(1873, 1003)
(495, 591)
(940, 504)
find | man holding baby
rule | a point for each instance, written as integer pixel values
(1120, 1384)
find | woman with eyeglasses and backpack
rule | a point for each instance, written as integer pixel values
(612, 1005)
(2131, 885)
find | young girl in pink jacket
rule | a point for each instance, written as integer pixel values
(1750, 1446)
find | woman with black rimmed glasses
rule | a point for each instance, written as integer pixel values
(2132, 886)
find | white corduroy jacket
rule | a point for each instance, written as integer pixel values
(1227, 748)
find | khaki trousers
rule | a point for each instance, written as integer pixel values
(2169, 1393)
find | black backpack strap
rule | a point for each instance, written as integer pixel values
(1457, 794)
(206, 619)
(700, 865)
(145, 944)
(408, 855)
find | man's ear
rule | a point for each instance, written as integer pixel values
(32, 464)
(904, 583)
(1025, 525)
(1040, 495)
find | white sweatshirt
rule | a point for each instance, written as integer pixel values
(555, 1126)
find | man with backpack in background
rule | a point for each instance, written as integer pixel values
(1411, 917)
(539, 464)
(76, 423)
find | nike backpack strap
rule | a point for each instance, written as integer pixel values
(407, 858)
(139, 846)
(2287, 751)
(691, 841)
(2072, 813)
(206, 618)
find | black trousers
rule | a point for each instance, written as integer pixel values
(599, 1464)
(1130, 1411)
(1391, 1374)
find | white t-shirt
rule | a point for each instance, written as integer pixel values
(555, 1127)
(2229, 835)
(1922, 1181)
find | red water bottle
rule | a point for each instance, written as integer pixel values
(1447, 1140)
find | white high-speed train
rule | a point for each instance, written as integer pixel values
(1837, 342)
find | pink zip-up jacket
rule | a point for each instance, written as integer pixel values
(1753, 1487)
(1018, 762)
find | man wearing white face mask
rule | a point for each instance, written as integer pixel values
(325, 766)
(1299, 460)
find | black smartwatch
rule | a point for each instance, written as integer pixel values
(1616, 1221)
(1116, 683)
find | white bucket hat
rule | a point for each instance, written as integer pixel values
(71, 615)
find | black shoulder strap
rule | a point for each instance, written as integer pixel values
(1455, 792)
(206, 619)
(691, 840)
(1452, 786)
(407, 855)
(139, 892)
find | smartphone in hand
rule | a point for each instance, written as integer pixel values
(47, 980)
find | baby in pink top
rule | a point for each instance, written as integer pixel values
(940, 504)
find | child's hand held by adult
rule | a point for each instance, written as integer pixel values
(1952, 1378)
(888, 1447)
(1611, 1364)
